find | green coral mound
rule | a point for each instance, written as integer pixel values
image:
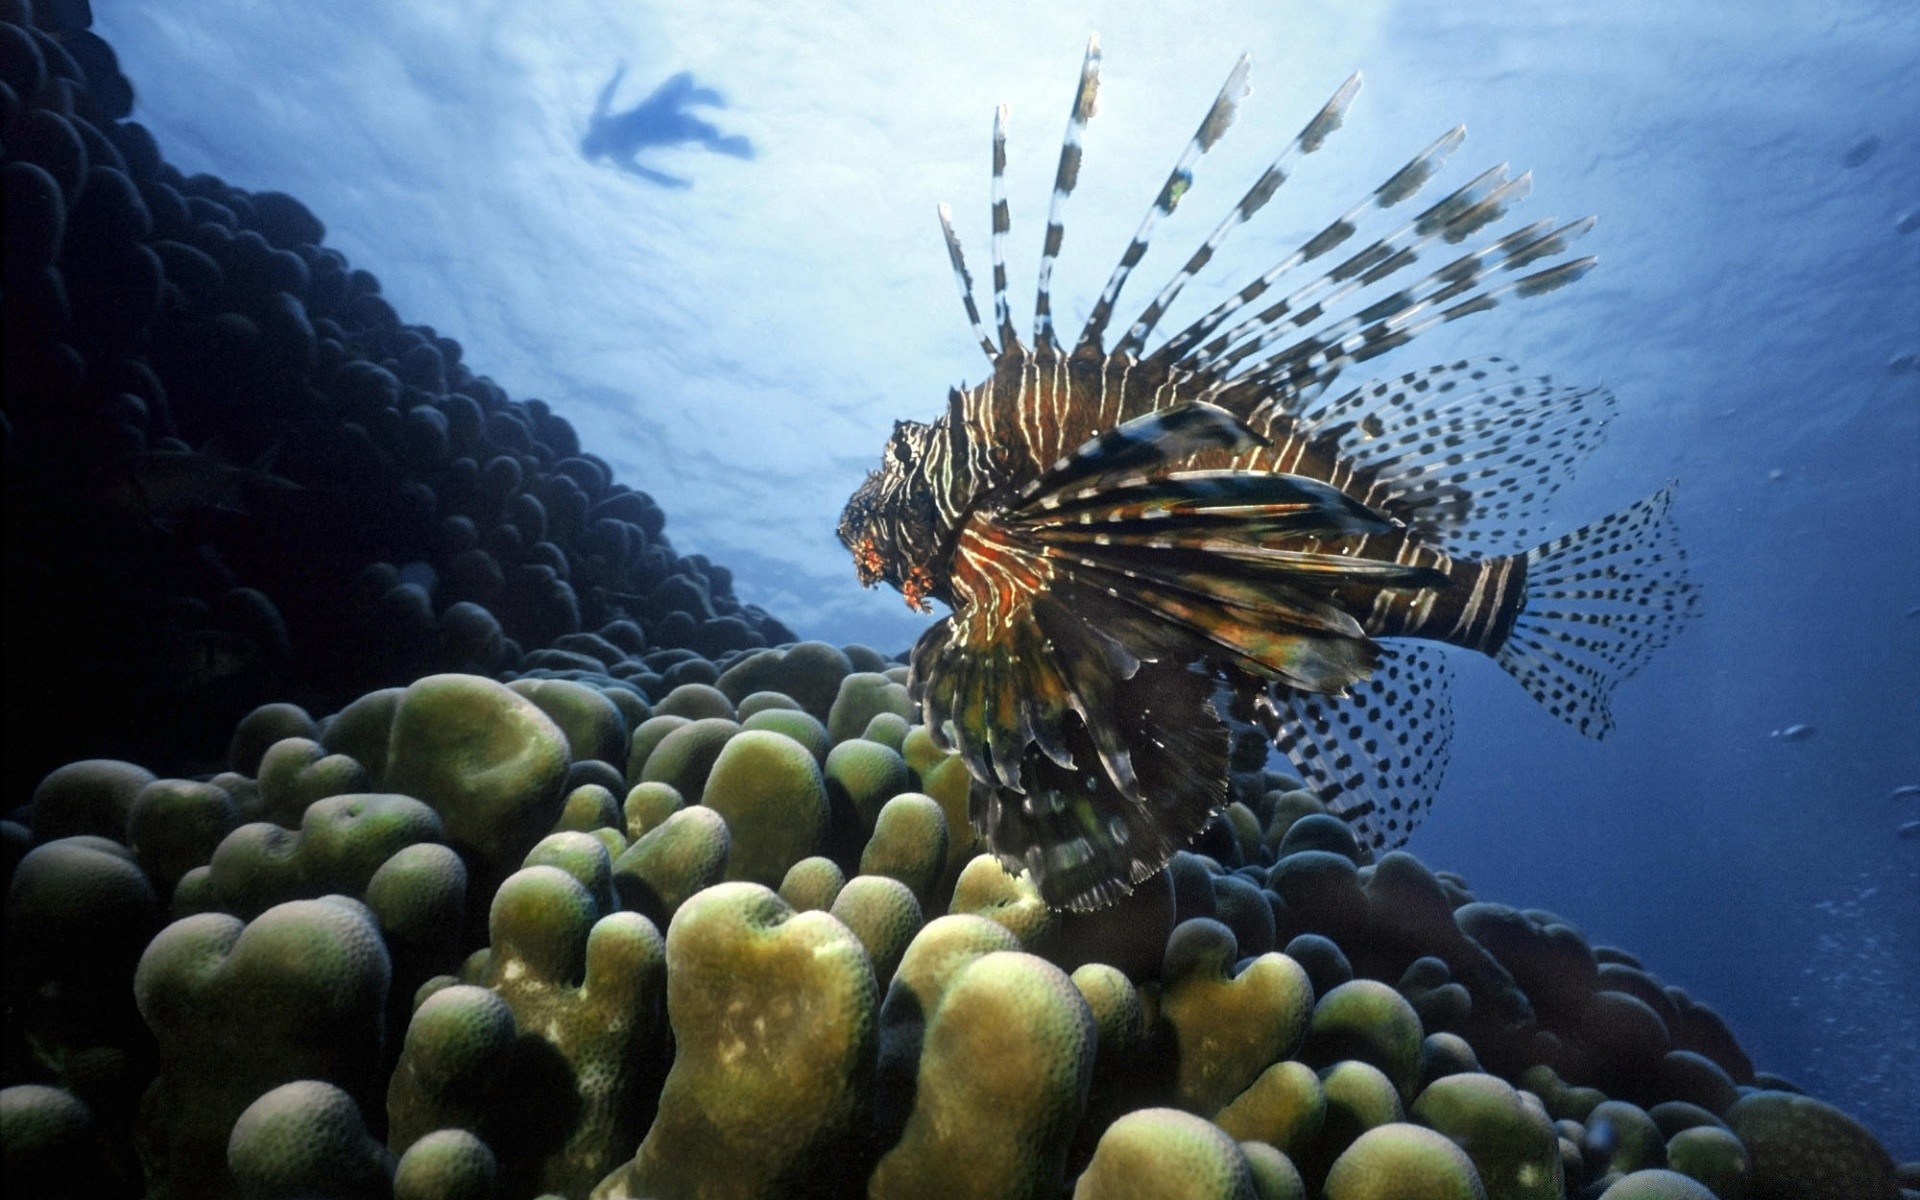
(342, 841)
(686, 853)
(1369, 1021)
(240, 1008)
(174, 825)
(1228, 1027)
(488, 760)
(909, 843)
(863, 776)
(1657, 1184)
(1003, 1077)
(1284, 1107)
(809, 672)
(93, 796)
(1403, 1162)
(883, 914)
(447, 1164)
(47, 1136)
(1275, 1018)
(307, 1138)
(695, 701)
(1803, 1147)
(771, 793)
(1715, 1157)
(599, 1011)
(863, 696)
(812, 884)
(1161, 1154)
(1513, 1145)
(802, 727)
(773, 1016)
(685, 756)
(296, 772)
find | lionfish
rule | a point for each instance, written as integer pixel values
(1142, 546)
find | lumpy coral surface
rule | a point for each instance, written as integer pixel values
(417, 822)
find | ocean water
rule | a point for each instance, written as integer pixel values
(736, 333)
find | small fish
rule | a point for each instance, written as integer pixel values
(165, 484)
(1907, 830)
(197, 658)
(1144, 542)
(1907, 791)
(1861, 152)
(1794, 733)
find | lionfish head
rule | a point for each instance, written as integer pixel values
(890, 523)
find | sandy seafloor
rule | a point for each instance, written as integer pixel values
(740, 346)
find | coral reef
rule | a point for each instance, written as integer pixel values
(643, 1016)
(235, 475)
(449, 867)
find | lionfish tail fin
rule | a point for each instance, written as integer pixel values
(1600, 602)
(1065, 177)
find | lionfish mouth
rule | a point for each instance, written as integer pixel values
(867, 562)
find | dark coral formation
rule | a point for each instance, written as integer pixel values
(234, 474)
(651, 911)
(507, 956)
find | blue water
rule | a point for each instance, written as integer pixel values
(739, 345)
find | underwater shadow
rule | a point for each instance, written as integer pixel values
(658, 120)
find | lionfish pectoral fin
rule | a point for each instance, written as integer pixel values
(1244, 505)
(1168, 435)
(1599, 602)
(1087, 841)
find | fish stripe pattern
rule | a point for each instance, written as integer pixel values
(1212, 127)
(1144, 549)
(1065, 178)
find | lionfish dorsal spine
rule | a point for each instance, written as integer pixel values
(1065, 177)
(1310, 138)
(1251, 337)
(1002, 222)
(964, 278)
(1213, 126)
(1395, 250)
(1318, 360)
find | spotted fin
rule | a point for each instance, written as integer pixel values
(1468, 453)
(1376, 754)
(1600, 601)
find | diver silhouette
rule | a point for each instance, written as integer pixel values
(656, 121)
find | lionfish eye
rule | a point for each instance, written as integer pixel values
(899, 447)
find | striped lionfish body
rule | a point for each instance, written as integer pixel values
(1141, 546)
